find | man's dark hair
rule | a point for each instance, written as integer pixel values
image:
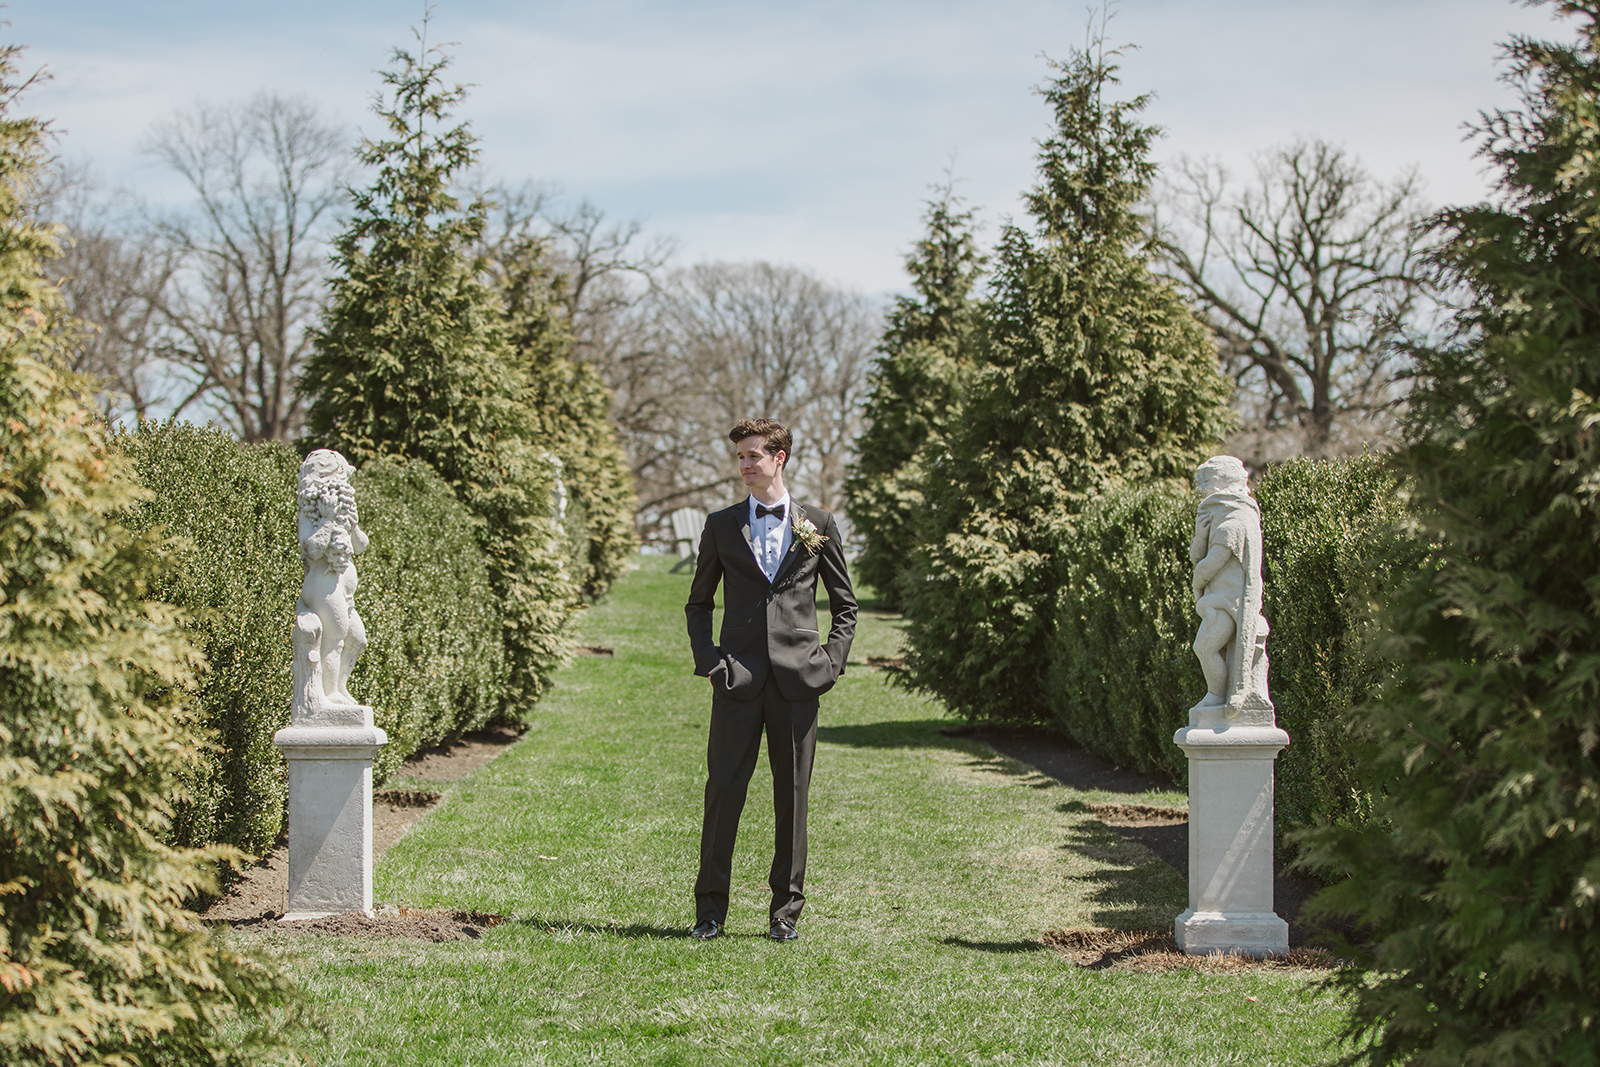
(771, 431)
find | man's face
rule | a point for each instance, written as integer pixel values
(757, 467)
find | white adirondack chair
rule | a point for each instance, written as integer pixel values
(686, 526)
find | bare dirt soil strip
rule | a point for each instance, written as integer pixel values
(256, 901)
(1149, 950)
(417, 923)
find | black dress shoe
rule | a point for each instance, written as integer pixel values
(706, 929)
(783, 930)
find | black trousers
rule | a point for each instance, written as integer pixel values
(736, 729)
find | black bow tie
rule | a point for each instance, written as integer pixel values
(762, 511)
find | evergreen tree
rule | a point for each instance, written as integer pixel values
(571, 408)
(414, 359)
(917, 378)
(1477, 890)
(1094, 372)
(99, 959)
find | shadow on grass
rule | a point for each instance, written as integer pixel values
(873, 604)
(1168, 839)
(1033, 756)
(1061, 758)
(633, 931)
(903, 733)
(937, 733)
(1004, 948)
(1124, 890)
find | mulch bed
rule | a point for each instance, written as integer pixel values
(1149, 950)
(1139, 815)
(407, 798)
(420, 924)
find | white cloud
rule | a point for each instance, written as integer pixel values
(807, 132)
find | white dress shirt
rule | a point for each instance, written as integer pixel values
(771, 535)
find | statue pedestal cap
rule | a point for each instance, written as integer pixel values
(1230, 841)
(330, 814)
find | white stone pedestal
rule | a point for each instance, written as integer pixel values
(1230, 841)
(330, 816)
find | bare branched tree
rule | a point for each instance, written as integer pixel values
(1307, 277)
(109, 274)
(731, 340)
(689, 352)
(602, 269)
(235, 315)
(608, 267)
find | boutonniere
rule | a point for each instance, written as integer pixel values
(806, 532)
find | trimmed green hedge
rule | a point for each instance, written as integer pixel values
(1122, 674)
(1329, 537)
(435, 665)
(238, 553)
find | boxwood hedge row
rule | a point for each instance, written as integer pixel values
(1122, 675)
(435, 665)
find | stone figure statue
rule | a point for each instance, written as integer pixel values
(328, 633)
(1232, 639)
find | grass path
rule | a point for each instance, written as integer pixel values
(935, 866)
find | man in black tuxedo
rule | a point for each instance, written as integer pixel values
(767, 551)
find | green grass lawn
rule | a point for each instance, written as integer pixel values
(935, 866)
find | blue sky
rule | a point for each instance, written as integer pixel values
(806, 132)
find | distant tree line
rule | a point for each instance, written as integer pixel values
(211, 310)
(1305, 277)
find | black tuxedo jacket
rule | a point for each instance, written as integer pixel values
(769, 627)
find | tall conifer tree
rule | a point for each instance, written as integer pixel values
(1095, 371)
(100, 960)
(1477, 887)
(926, 351)
(414, 359)
(571, 409)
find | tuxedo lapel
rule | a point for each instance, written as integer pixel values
(749, 537)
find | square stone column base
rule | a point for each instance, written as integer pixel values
(1230, 841)
(1247, 933)
(330, 818)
